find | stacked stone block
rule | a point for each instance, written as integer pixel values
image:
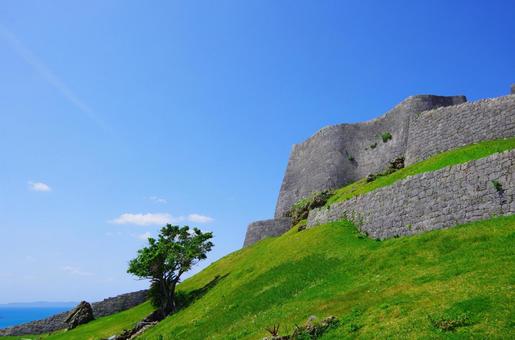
(433, 200)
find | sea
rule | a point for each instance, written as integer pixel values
(11, 316)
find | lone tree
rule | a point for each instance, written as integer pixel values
(164, 260)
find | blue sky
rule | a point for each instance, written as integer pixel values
(116, 116)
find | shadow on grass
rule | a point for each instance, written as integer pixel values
(184, 299)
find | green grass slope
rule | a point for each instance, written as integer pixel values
(101, 328)
(383, 289)
(439, 161)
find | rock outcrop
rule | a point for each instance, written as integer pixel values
(81, 314)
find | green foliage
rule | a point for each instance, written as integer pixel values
(381, 289)
(164, 260)
(373, 146)
(299, 211)
(386, 137)
(497, 185)
(452, 157)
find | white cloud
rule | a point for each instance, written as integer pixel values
(158, 199)
(76, 271)
(160, 219)
(197, 218)
(39, 186)
(144, 219)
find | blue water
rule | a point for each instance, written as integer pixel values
(11, 316)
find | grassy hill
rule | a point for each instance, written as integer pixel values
(406, 287)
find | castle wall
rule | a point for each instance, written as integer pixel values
(421, 126)
(258, 230)
(433, 200)
(447, 128)
(339, 154)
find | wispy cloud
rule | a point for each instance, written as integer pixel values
(197, 218)
(39, 186)
(144, 219)
(160, 219)
(76, 271)
(48, 75)
(157, 199)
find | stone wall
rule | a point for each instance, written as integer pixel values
(260, 229)
(446, 128)
(433, 200)
(421, 126)
(118, 303)
(339, 154)
(56, 322)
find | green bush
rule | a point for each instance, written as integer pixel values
(386, 137)
(300, 210)
(497, 185)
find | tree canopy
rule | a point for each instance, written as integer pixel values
(166, 258)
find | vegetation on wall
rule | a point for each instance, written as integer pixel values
(438, 161)
(386, 136)
(299, 211)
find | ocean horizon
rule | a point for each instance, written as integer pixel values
(16, 315)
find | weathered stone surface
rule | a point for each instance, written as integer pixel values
(421, 126)
(260, 229)
(447, 128)
(433, 200)
(56, 322)
(512, 88)
(339, 154)
(81, 314)
(118, 303)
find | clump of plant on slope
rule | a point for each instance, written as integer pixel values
(386, 137)
(300, 210)
(166, 258)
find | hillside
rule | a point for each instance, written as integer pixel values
(391, 288)
(376, 288)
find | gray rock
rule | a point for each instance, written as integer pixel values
(81, 314)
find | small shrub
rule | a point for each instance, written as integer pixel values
(371, 178)
(274, 330)
(350, 158)
(300, 210)
(447, 323)
(497, 185)
(373, 146)
(386, 137)
(396, 164)
(302, 225)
